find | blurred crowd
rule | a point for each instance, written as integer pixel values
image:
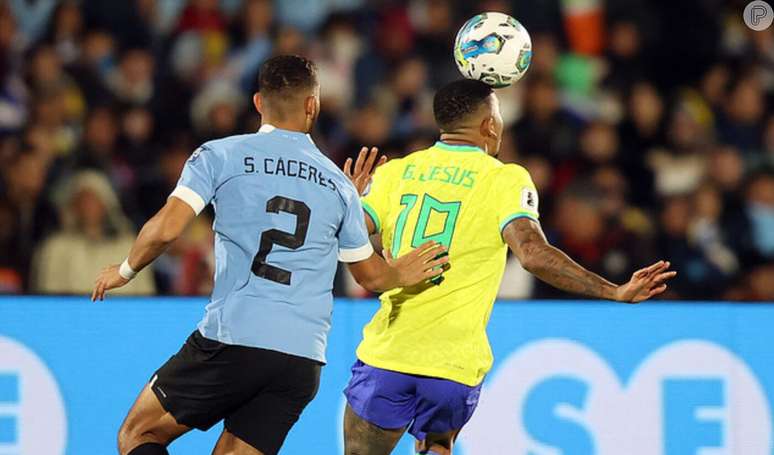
(647, 127)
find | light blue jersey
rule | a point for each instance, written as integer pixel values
(283, 214)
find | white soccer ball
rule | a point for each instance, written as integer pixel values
(493, 48)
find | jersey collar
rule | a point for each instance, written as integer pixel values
(457, 147)
(268, 128)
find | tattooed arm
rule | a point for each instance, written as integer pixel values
(527, 241)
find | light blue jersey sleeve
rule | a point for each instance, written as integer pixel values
(199, 179)
(354, 245)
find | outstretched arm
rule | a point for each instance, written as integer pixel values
(379, 274)
(154, 238)
(526, 239)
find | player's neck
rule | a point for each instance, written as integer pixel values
(461, 139)
(288, 125)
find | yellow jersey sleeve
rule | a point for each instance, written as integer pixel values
(515, 195)
(376, 201)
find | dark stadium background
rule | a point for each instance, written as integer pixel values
(647, 126)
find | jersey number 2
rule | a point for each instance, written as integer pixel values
(272, 237)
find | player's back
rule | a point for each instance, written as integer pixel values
(461, 197)
(283, 213)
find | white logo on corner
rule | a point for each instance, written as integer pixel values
(557, 396)
(32, 412)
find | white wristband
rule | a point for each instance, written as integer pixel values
(126, 270)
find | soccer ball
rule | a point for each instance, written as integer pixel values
(493, 48)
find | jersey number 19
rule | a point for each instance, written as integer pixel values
(428, 206)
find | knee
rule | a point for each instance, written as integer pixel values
(127, 438)
(131, 436)
(355, 448)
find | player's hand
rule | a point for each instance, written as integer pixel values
(365, 166)
(108, 278)
(645, 283)
(423, 263)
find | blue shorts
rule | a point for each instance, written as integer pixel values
(392, 400)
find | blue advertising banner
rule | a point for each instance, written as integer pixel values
(570, 378)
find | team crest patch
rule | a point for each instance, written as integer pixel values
(529, 199)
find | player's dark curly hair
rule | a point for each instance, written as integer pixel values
(455, 101)
(285, 73)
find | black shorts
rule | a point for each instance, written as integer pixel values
(259, 393)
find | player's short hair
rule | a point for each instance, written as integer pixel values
(285, 74)
(455, 102)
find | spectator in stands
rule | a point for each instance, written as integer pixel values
(132, 80)
(545, 129)
(100, 136)
(699, 278)
(94, 232)
(25, 179)
(65, 31)
(760, 209)
(13, 92)
(741, 120)
(95, 62)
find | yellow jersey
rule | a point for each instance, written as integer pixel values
(462, 198)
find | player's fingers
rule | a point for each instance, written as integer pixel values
(99, 291)
(657, 290)
(94, 293)
(424, 253)
(98, 287)
(381, 161)
(425, 248)
(435, 248)
(348, 167)
(360, 160)
(434, 269)
(652, 268)
(432, 273)
(438, 262)
(642, 273)
(369, 164)
(664, 276)
(434, 252)
(387, 255)
(664, 267)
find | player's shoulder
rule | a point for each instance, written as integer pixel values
(218, 149)
(507, 172)
(229, 142)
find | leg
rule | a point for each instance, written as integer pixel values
(228, 444)
(261, 425)
(444, 408)
(148, 422)
(437, 443)
(364, 438)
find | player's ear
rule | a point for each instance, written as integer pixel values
(489, 127)
(258, 102)
(311, 106)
